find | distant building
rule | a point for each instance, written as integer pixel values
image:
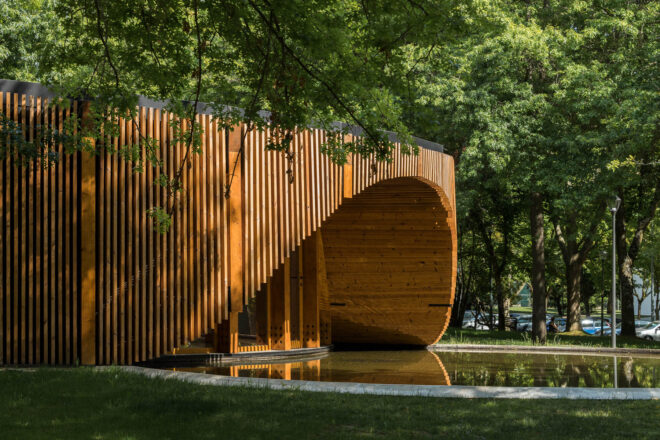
(524, 295)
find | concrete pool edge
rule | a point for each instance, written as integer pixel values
(454, 391)
(574, 350)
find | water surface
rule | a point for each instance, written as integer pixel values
(422, 367)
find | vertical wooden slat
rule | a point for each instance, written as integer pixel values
(195, 257)
(299, 234)
(275, 205)
(88, 252)
(150, 271)
(15, 216)
(236, 237)
(263, 213)
(209, 227)
(175, 279)
(117, 255)
(224, 167)
(308, 183)
(101, 252)
(73, 231)
(216, 152)
(202, 209)
(4, 246)
(108, 248)
(124, 240)
(30, 234)
(157, 238)
(161, 251)
(68, 249)
(258, 220)
(139, 291)
(182, 264)
(134, 243)
(24, 242)
(248, 250)
(51, 285)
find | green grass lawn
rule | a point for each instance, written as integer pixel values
(88, 404)
(471, 336)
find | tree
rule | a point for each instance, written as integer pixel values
(27, 27)
(542, 93)
(305, 62)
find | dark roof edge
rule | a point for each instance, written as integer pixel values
(36, 89)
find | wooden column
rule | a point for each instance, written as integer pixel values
(226, 335)
(280, 318)
(236, 208)
(88, 250)
(227, 330)
(263, 315)
(310, 269)
(348, 172)
(325, 317)
(301, 290)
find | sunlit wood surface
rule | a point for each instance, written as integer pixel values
(85, 277)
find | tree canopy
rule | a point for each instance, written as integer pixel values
(549, 107)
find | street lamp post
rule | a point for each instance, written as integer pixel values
(614, 207)
(653, 287)
(603, 258)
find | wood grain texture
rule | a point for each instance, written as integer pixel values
(85, 277)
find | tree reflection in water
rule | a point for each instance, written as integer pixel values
(546, 370)
(422, 367)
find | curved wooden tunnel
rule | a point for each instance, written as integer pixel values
(371, 247)
(389, 263)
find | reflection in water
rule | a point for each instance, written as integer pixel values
(546, 370)
(423, 367)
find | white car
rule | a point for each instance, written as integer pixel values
(650, 331)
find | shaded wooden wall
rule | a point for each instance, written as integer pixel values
(85, 277)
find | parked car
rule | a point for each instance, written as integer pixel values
(524, 323)
(592, 326)
(641, 323)
(608, 329)
(650, 331)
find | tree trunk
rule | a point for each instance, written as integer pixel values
(627, 255)
(502, 314)
(538, 268)
(559, 305)
(627, 296)
(625, 266)
(573, 277)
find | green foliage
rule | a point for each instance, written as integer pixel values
(27, 29)
(558, 97)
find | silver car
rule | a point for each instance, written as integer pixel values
(650, 331)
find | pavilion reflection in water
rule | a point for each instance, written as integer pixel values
(419, 367)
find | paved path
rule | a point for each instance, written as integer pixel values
(405, 390)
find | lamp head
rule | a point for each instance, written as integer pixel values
(614, 204)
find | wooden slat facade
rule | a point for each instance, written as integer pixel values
(117, 292)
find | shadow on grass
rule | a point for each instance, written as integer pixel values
(83, 403)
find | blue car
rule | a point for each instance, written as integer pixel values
(592, 326)
(608, 329)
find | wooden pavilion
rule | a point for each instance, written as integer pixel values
(359, 253)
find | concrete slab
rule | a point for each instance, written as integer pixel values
(465, 392)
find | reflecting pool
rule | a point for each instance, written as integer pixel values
(423, 367)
